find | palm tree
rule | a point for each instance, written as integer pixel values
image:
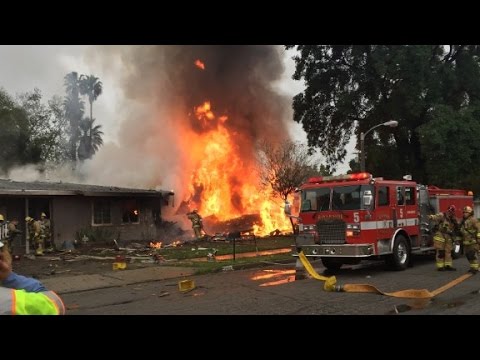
(74, 108)
(90, 139)
(92, 87)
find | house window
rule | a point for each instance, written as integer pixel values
(129, 209)
(101, 212)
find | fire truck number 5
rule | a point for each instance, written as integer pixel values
(348, 218)
(356, 217)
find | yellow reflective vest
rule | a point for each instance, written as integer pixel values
(21, 302)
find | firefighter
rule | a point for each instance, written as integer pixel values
(470, 230)
(35, 234)
(444, 237)
(46, 233)
(197, 224)
(12, 234)
(3, 228)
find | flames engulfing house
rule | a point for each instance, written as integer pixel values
(207, 107)
(131, 214)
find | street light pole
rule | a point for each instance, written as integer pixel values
(391, 123)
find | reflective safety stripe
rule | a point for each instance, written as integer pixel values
(438, 238)
(21, 302)
(386, 224)
(57, 301)
(7, 301)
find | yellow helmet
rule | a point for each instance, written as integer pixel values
(1, 218)
(468, 209)
(43, 215)
(28, 219)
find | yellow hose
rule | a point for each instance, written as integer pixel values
(331, 285)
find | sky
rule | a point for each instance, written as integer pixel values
(23, 67)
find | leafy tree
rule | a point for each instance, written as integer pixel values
(285, 166)
(47, 127)
(15, 146)
(351, 88)
(31, 132)
(450, 142)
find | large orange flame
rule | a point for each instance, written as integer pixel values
(225, 182)
(199, 64)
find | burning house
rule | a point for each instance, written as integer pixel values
(128, 214)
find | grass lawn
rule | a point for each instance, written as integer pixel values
(189, 254)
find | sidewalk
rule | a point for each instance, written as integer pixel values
(71, 284)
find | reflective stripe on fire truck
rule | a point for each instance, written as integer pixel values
(385, 224)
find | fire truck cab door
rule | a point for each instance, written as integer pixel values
(398, 212)
(383, 212)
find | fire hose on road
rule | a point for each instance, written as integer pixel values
(331, 285)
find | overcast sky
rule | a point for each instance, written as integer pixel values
(23, 67)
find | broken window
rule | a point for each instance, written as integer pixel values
(101, 212)
(129, 209)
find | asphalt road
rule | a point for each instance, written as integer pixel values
(273, 291)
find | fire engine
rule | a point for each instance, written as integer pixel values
(348, 218)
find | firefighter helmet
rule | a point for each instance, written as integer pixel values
(28, 219)
(468, 209)
(195, 210)
(1, 218)
(43, 215)
(451, 209)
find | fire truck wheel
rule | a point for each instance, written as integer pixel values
(400, 257)
(331, 263)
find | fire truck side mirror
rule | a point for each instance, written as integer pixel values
(288, 208)
(367, 198)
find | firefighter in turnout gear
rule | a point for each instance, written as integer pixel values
(444, 237)
(197, 224)
(35, 234)
(13, 232)
(46, 233)
(470, 230)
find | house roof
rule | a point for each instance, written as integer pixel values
(20, 188)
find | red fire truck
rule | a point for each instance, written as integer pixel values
(348, 218)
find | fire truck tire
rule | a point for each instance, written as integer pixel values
(332, 263)
(400, 257)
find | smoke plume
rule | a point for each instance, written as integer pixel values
(163, 86)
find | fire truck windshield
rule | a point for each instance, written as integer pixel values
(336, 198)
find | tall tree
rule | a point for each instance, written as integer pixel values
(74, 109)
(90, 139)
(92, 87)
(351, 88)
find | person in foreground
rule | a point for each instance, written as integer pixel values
(20, 295)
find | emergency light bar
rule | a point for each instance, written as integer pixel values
(356, 176)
